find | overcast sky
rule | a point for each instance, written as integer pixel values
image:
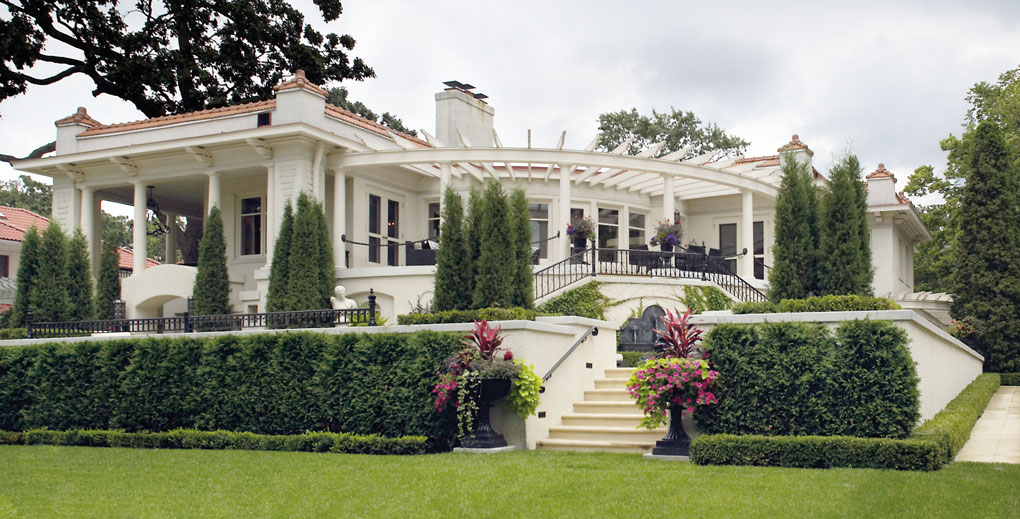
(887, 80)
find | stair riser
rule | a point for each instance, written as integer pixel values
(603, 408)
(630, 422)
(619, 372)
(608, 396)
(639, 435)
(611, 383)
(584, 448)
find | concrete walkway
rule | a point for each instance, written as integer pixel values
(996, 435)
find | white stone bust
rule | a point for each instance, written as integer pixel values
(339, 301)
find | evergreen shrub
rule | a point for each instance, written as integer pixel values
(212, 285)
(453, 278)
(850, 303)
(802, 379)
(285, 383)
(108, 285)
(467, 316)
(49, 298)
(950, 428)
(1010, 379)
(583, 301)
(814, 452)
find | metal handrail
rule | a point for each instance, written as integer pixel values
(565, 272)
(591, 331)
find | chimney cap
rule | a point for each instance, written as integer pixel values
(795, 144)
(881, 172)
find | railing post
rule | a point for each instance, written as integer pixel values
(189, 326)
(594, 257)
(29, 321)
(371, 307)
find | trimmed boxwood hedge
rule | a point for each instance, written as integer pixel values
(950, 428)
(1010, 379)
(780, 379)
(851, 303)
(275, 384)
(467, 316)
(192, 439)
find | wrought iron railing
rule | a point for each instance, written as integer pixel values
(188, 323)
(577, 266)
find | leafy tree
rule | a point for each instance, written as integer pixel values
(79, 288)
(171, 56)
(986, 279)
(27, 194)
(473, 235)
(28, 271)
(677, 128)
(276, 298)
(998, 102)
(212, 286)
(844, 262)
(793, 274)
(117, 229)
(495, 268)
(307, 288)
(338, 97)
(453, 268)
(108, 286)
(522, 275)
(49, 298)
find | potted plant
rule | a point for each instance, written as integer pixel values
(673, 383)
(581, 229)
(667, 235)
(479, 375)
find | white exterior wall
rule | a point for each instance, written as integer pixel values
(945, 366)
(885, 258)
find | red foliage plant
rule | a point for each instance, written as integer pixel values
(486, 339)
(679, 339)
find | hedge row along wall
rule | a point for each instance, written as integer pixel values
(285, 383)
(779, 379)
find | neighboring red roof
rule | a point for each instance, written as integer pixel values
(127, 260)
(5, 307)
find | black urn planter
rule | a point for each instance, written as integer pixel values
(665, 247)
(676, 442)
(483, 437)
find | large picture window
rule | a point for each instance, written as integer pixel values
(251, 226)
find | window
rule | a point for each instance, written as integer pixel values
(540, 227)
(264, 119)
(728, 244)
(392, 232)
(373, 228)
(609, 233)
(251, 226)
(5, 266)
(637, 230)
(433, 220)
(379, 238)
(759, 250)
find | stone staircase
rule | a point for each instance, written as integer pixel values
(606, 420)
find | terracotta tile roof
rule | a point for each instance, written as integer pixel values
(902, 197)
(881, 172)
(795, 144)
(127, 260)
(5, 307)
(355, 119)
(11, 233)
(17, 221)
(79, 117)
(765, 161)
(167, 120)
(300, 81)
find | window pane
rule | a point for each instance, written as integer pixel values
(608, 237)
(393, 219)
(637, 220)
(539, 211)
(251, 205)
(373, 214)
(576, 213)
(728, 239)
(609, 216)
(434, 210)
(637, 238)
(759, 237)
(373, 249)
(540, 231)
(251, 234)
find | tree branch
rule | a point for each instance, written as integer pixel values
(52, 79)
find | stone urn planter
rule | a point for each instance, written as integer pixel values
(484, 437)
(676, 442)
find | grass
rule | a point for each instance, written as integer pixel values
(45, 481)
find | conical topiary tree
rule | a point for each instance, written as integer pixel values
(520, 228)
(108, 286)
(79, 288)
(305, 289)
(473, 237)
(276, 298)
(793, 274)
(212, 285)
(844, 259)
(453, 267)
(986, 280)
(27, 271)
(324, 254)
(495, 267)
(49, 299)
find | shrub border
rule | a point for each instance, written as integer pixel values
(467, 316)
(1010, 379)
(932, 445)
(343, 443)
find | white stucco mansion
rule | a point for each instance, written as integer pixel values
(382, 188)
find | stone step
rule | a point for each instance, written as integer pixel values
(607, 395)
(619, 372)
(611, 383)
(602, 433)
(614, 407)
(631, 420)
(635, 447)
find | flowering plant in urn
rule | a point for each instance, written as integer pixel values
(581, 227)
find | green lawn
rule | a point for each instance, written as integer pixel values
(43, 481)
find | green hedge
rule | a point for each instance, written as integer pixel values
(950, 428)
(801, 379)
(814, 452)
(1010, 379)
(850, 303)
(584, 301)
(631, 359)
(7, 334)
(192, 439)
(467, 316)
(276, 384)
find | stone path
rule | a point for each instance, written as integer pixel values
(996, 435)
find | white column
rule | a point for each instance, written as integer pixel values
(138, 227)
(214, 189)
(668, 198)
(746, 268)
(170, 255)
(561, 226)
(87, 222)
(272, 215)
(339, 215)
(444, 182)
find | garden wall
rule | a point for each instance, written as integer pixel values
(945, 366)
